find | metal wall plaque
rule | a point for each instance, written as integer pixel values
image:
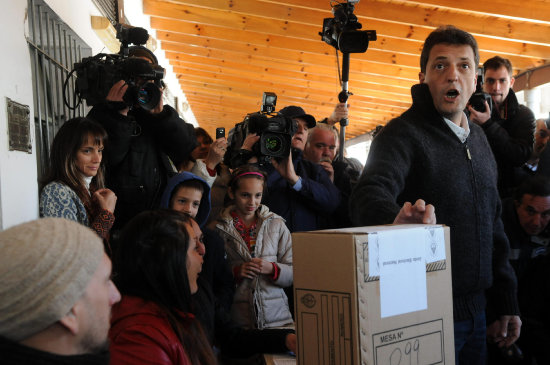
(19, 131)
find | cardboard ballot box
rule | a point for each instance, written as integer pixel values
(374, 295)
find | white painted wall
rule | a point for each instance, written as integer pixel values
(77, 15)
(18, 172)
(133, 10)
(18, 185)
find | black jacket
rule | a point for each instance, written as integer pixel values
(534, 297)
(511, 139)
(138, 152)
(523, 247)
(12, 353)
(417, 156)
(308, 209)
(345, 178)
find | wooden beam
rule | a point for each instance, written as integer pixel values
(433, 16)
(533, 10)
(397, 42)
(366, 103)
(311, 52)
(252, 11)
(234, 83)
(358, 86)
(362, 66)
(295, 54)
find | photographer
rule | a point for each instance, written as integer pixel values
(509, 127)
(144, 145)
(298, 190)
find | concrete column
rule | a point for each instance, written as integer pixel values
(545, 101)
(533, 100)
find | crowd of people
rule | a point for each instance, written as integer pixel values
(199, 231)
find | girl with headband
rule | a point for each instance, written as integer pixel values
(259, 250)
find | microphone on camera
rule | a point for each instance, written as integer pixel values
(131, 35)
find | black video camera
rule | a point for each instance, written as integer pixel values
(478, 98)
(275, 131)
(342, 32)
(96, 75)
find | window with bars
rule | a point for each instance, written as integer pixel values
(54, 48)
(109, 9)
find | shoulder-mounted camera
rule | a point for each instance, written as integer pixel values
(97, 74)
(275, 131)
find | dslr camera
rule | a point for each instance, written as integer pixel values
(478, 98)
(97, 74)
(275, 131)
(342, 32)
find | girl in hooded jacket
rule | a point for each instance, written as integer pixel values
(259, 250)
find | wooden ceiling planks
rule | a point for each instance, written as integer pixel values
(227, 52)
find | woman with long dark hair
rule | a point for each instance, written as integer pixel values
(156, 265)
(74, 187)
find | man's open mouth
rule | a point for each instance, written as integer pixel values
(452, 94)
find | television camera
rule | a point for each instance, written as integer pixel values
(275, 131)
(97, 74)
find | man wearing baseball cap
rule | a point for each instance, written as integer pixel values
(55, 294)
(304, 122)
(301, 191)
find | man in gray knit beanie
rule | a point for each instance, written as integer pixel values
(55, 293)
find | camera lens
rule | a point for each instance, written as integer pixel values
(273, 144)
(148, 96)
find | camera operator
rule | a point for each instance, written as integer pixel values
(298, 190)
(143, 146)
(509, 127)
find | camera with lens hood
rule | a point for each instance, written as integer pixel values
(97, 74)
(275, 130)
(479, 97)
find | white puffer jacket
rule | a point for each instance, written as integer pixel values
(261, 302)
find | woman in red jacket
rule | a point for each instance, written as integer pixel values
(157, 262)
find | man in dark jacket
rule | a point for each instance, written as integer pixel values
(509, 127)
(143, 148)
(321, 148)
(431, 155)
(298, 190)
(526, 217)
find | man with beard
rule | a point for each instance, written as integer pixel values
(433, 156)
(56, 294)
